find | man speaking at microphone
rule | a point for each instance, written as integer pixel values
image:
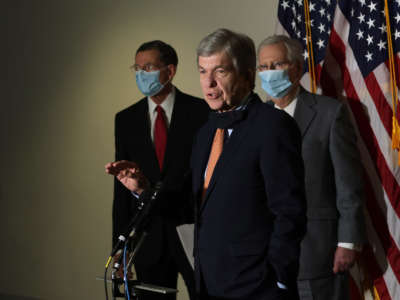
(157, 133)
(247, 179)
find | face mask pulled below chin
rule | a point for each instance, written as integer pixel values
(275, 82)
(149, 82)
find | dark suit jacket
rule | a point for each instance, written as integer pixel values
(250, 224)
(334, 182)
(133, 142)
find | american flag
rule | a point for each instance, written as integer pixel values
(350, 46)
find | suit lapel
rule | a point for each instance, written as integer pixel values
(148, 145)
(176, 130)
(304, 112)
(202, 155)
(238, 135)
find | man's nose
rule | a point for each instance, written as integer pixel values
(210, 81)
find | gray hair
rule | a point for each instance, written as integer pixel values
(293, 47)
(239, 47)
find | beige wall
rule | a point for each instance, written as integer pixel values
(66, 77)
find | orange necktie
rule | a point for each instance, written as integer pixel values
(216, 150)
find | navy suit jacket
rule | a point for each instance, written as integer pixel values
(252, 219)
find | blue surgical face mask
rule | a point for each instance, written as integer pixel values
(149, 82)
(275, 82)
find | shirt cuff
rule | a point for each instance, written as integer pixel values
(351, 246)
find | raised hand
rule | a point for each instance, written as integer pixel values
(129, 174)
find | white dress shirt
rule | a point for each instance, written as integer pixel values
(167, 105)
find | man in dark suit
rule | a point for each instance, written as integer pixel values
(334, 187)
(251, 209)
(247, 179)
(157, 133)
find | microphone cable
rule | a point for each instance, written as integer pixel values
(127, 295)
(105, 280)
(148, 199)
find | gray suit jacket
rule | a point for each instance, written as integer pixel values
(334, 182)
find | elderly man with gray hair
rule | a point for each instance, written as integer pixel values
(333, 172)
(248, 181)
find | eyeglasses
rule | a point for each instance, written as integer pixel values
(147, 68)
(279, 65)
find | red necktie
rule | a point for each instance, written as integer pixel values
(160, 135)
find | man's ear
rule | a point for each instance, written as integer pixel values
(171, 71)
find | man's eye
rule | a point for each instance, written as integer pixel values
(262, 68)
(221, 72)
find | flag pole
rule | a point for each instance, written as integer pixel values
(310, 51)
(393, 85)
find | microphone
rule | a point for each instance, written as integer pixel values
(145, 207)
(147, 201)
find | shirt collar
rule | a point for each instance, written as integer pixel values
(292, 105)
(290, 108)
(167, 104)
